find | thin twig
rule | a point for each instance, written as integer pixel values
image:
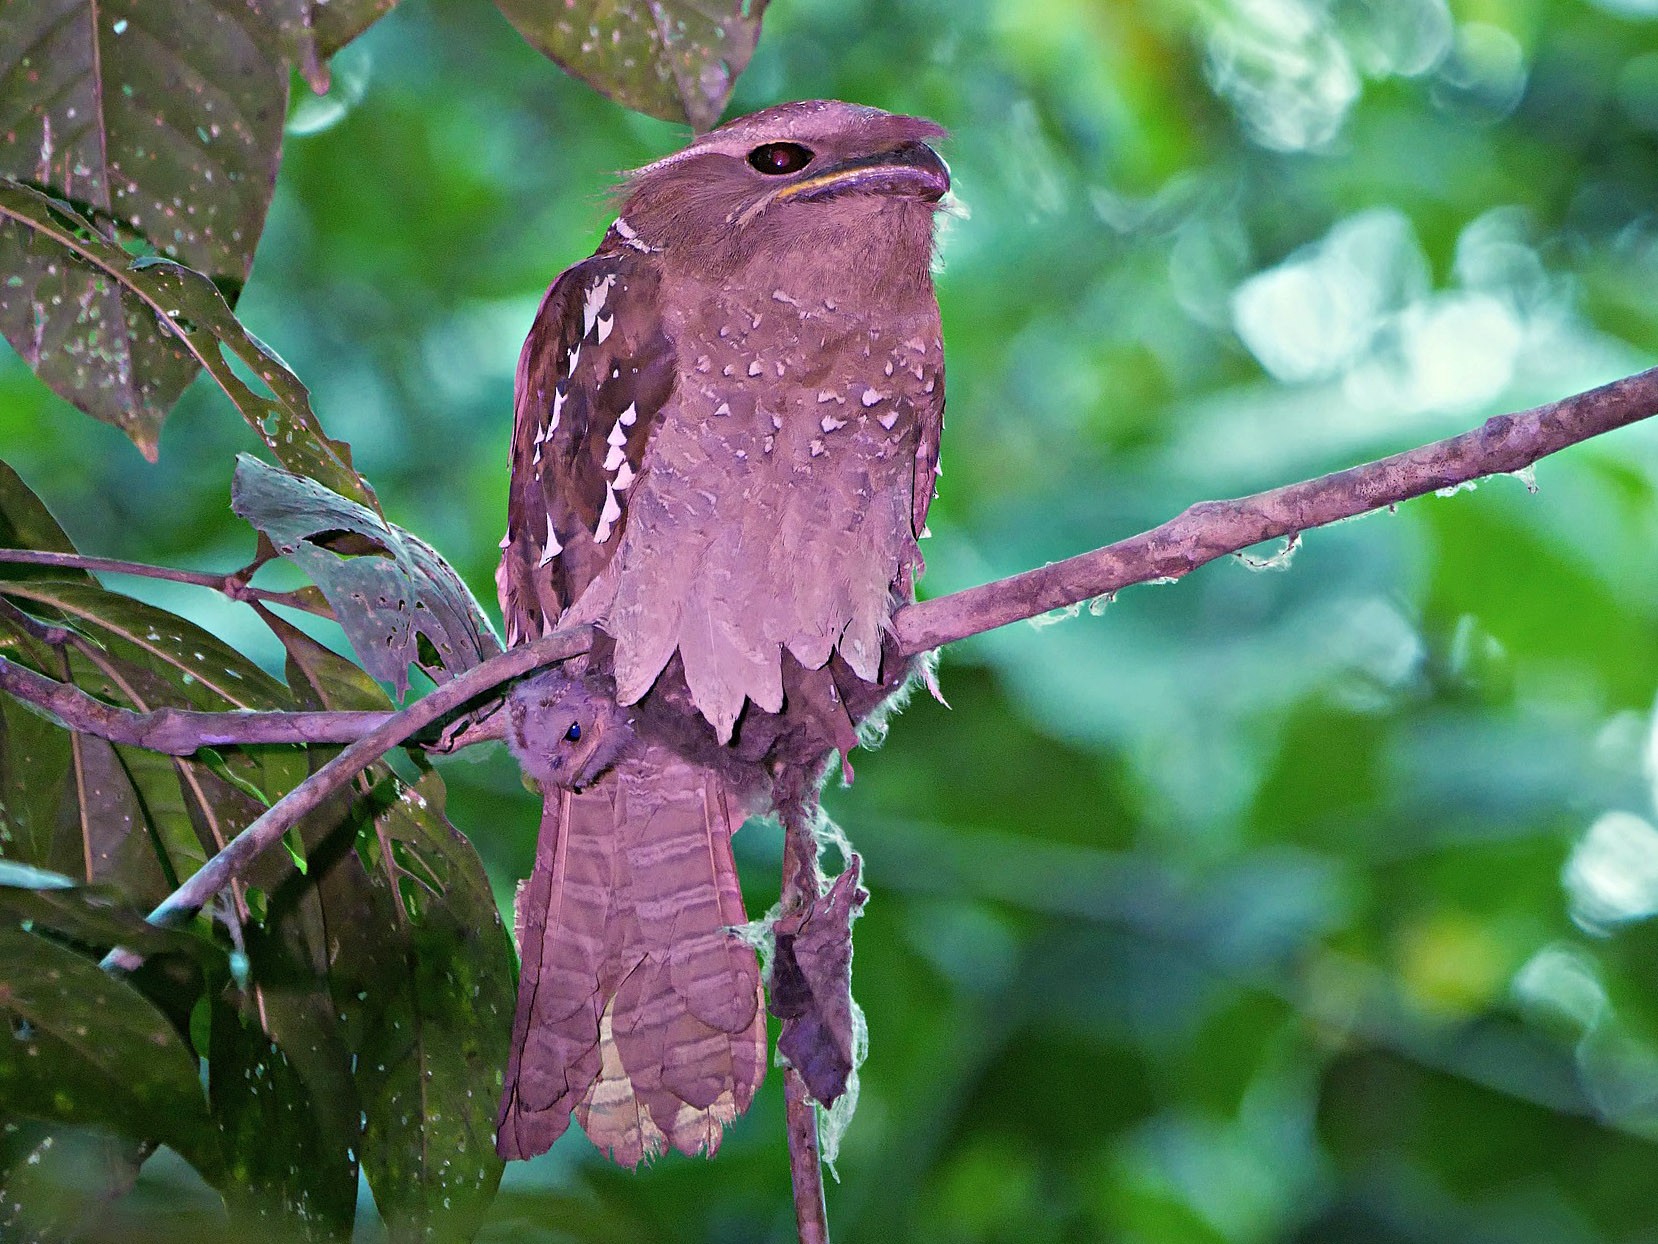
(802, 884)
(234, 585)
(231, 863)
(177, 731)
(1212, 529)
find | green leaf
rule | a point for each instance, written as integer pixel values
(279, 1071)
(425, 986)
(164, 301)
(319, 677)
(25, 523)
(56, 1182)
(88, 1048)
(94, 917)
(674, 59)
(438, 1028)
(337, 22)
(392, 592)
(170, 661)
(162, 120)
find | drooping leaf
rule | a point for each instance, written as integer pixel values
(171, 304)
(336, 23)
(432, 1051)
(56, 1181)
(279, 1072)
(398, 600)
(424, 988)
(87, 1048)
(674, 59)
(162, 119)
(811, 986)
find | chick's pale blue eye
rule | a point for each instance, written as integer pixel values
(574, 732)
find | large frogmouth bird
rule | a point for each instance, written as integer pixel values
(725, 441)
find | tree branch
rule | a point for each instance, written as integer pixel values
(1212, 529)
(234, 585)
(177, 731)
(802, 884)
(229, 865)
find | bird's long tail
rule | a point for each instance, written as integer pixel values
(637, 1007)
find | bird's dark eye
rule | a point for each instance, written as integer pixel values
(775, 159)
(573, 734)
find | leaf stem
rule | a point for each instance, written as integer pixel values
(234, 585)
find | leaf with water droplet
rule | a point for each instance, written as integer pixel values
(212, 76)
(674, 59)
(167, 297)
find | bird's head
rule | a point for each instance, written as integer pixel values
(566, 730)
(817, 179)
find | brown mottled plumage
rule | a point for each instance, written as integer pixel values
(724, 446)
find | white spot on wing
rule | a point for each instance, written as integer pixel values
(887, 418)
(618, 436)
(606, 323)
(615, 458)
(626, 418)
(724, 408)
(552, 548)
(830, 424)
(607, 517)
(624, 476)
(593, 302)
(870, 397)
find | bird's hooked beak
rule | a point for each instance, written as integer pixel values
(914, 170)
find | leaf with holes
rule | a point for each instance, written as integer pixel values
(162, 120)
(399, 602)
(175, 303)
(674, 59)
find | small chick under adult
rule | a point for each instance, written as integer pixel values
(566, 729)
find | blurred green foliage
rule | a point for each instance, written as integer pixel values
(1303, 905)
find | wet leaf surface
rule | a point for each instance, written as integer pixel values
(176, 306)
(424, 986)
(674, 59)
(163, 120)
(88, 1048)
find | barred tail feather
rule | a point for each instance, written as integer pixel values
(563, 918)
(682, 1046)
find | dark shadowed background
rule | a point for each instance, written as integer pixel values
(1308, 902)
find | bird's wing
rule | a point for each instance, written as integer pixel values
(594, 375)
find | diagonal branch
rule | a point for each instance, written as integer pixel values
(1199, 535)
(1212, 529)
(285, 813)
